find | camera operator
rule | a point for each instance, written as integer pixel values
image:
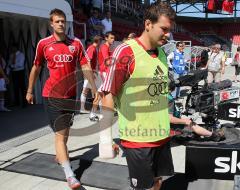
(216, 64)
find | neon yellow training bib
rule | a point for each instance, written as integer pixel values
(142, 102)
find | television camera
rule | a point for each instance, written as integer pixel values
(211, 102)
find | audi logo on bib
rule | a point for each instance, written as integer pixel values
(156, 89)
(63, 58)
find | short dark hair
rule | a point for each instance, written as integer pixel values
(157, 9)
(57, 12)
(238, 48)
(96, 39)
(109, 33)
(132, 35)
(178, 43)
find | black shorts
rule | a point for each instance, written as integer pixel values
(237, 70)
(60, 112)
(146, 164)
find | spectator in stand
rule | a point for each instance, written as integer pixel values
(94, 24)
(107, 23)
(132, 36)
(3, 81)
(216, 64)
(227, 6)
(105, 53)
(236, 63)
(17, 65)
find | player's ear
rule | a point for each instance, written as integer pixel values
(51, 23)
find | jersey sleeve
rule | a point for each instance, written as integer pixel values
(118, 73)
(39, 56)
(105, 52)
(82, 55)
(86, 59)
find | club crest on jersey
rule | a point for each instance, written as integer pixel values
(71, 49)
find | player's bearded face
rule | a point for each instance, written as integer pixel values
(58, 24)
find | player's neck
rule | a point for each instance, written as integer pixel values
(144, 39)
(107, 43)
(59, 37)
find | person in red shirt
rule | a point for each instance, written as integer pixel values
(92, 53)
(227, 6)
(60, 54)
(105, 53)
(147, 161)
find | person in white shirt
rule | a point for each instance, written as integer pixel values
(17, 65)
(107, 23)
(216, 64)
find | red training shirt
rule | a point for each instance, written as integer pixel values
(103, 55)
(228, 6)
(92, 55)
(61, 58)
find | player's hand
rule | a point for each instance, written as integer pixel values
(96, 97)
(94, 75)
(187, 121)
(115, 149)
(29, 98)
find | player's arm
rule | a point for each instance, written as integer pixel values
(116, 78)
(32, 81)
(175, 120)
(88, 74)
(87, 71)
(37, 65)
(106, 56)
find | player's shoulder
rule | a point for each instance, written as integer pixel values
(122, 50)
(45, 41)
(91, 48)
(104, 46)
(74, 40)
